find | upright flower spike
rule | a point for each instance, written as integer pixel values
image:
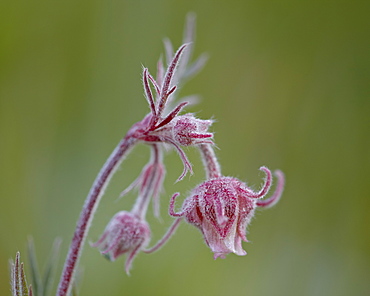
(125, 233)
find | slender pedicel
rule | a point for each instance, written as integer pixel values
(165, 238)
(149, 184)
(210, 162)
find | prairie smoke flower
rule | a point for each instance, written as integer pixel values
(188, 130)
(125, 233)
(221, 208)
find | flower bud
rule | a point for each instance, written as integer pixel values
(188, 130)
(125, 233)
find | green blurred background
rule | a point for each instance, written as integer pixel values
(287, 81)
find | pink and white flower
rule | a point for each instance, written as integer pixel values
(125, 233)
(221, 208)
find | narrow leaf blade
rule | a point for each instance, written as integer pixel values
(35, 274)
(50, 267)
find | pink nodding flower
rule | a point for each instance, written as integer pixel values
(125, 233)
(222, 208)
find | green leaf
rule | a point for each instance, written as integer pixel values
(16, 285)
(18, 277)
(35, 274)
(23, 281)
(49, 273)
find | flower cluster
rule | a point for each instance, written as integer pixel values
(221, 207)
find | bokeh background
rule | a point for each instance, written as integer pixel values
(287, 81)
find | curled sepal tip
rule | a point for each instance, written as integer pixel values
(275, 197)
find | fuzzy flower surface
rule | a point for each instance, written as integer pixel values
(188, 130)
(125, 233)
(221, 208)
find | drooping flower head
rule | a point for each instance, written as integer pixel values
(221, 208)
(125, 233)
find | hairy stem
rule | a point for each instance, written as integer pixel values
(88, 210)
(165, 238)
(210, 162)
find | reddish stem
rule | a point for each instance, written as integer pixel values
(88, 210)
(165, 238)
(210, 162)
